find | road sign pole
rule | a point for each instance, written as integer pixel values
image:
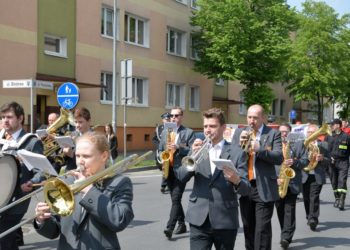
(114, 109)
(31, 108)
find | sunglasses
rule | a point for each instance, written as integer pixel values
(176, 115)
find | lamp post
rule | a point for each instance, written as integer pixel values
(114, 110)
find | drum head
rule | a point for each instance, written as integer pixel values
(8, 178)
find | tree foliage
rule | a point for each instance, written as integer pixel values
(245, 40)
(315, 64)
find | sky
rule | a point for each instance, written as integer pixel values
(341, 6)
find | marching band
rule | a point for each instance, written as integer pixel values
(261, 168)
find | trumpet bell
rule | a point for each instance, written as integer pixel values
(59, 196)
(189, 163)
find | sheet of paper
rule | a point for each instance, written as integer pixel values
(170, 126)
(65, 141)
(220, 163)
(38, 161)
(41, 132)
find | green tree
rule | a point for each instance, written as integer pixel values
(245, 40)
(315, 65)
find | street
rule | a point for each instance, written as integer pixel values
(151, 209)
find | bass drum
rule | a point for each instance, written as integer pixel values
(8, 178)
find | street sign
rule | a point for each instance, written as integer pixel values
(27, 83)
(43, 85)
(22, 83)
(68, 95)
(126, 68)
(293, 114)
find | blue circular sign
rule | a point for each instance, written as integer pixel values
(293, 114)
(68, 95)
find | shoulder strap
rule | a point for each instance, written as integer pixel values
(24, 139)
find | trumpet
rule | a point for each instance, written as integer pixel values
(60, 196)
(247, 143)
(191, 162)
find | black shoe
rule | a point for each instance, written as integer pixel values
(312, 225)
(168, 233)
(181, 228)
(336, 203)
(284, 244)
(162, 189)
(341, 202)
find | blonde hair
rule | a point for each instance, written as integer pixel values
(98, 139)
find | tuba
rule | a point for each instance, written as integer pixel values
(286, 173)
(313, 148)
(50, 145)
(191, 162)
(167, 156)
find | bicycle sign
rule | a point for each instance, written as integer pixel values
(68, 95)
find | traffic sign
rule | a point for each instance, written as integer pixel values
(292, 114)
(68, 95)
(27, 83)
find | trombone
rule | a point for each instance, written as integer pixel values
(60, 196)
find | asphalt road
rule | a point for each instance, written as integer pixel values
(151, 210)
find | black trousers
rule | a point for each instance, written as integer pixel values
(311, 196)
(176, 189)
(286, 215)
(339, 175)
(256, 217)
(203, 237)
(6, 222)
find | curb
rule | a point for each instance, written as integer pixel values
(130, 170)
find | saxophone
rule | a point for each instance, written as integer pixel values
(167, 156)
(313, 149)
(286, 173)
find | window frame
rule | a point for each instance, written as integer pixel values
(197, 98)
(115, 30)
(242, 109)
(193, 52)
(131, 89)
(145, 30)
(104, 74)
(183, 42)
(282, 107)
(62, 46)
(181, 97)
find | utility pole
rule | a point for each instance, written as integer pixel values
(114, 110)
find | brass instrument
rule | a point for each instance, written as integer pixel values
(60, 196)
(313, 149)
(247, 144)
(286, 173)
(167, 156)
(50, 145)
(191, 162)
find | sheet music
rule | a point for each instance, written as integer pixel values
(34, 160)
(220, 163)
(41, 132)
(65, 141)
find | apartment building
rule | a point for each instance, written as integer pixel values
(61, 41)
(72, 41)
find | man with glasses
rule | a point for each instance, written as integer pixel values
(184, 138)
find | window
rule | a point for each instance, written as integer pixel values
(194, 4)
(282, 107)
(136, 30)
(176, 42)
(55, 46)
(107, 83)
(137, 91)
(194, 98)
(242, 106)
(182, 1)
(274, 107)
(194, 53)
(175, 95)
(107, 22)
(219, 82)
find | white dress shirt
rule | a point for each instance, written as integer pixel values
(214, 153)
